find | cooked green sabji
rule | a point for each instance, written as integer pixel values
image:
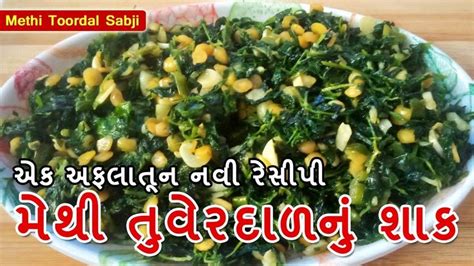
(299, 85)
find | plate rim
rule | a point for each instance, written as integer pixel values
(374, 250)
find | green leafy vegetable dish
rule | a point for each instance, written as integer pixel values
(304, 85)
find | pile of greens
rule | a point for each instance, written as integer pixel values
(305, 83)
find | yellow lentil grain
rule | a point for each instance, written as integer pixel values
(221, 55)
(205, 245)
(162, 129)
(287, 21)
(316, 7)
(220, 68)
(307, 147)
(319, 28)
(159, 159)
(203, 153)
(253, 33)
(126, 144)
(406, 136)
(311, 156)
(170, 65)
(223, 203)
(205, 47)
(86, 157)
(231, 78)
(285, 36)
(52, 80)
(104, 144)
(297, 29)
(199, 56)
(184, 40)
(41, 192)
(116, 97)
(74, 81)
(103, 195)
(310, 37)
(173, 142)
(150, 124)
(92, 77)
(303, 42)
(353, 92)
(14, 145)
(151, 201)
(103, 156)
(404, 112)
(256, 81)
(242, 85)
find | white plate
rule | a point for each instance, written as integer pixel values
(14, 93)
